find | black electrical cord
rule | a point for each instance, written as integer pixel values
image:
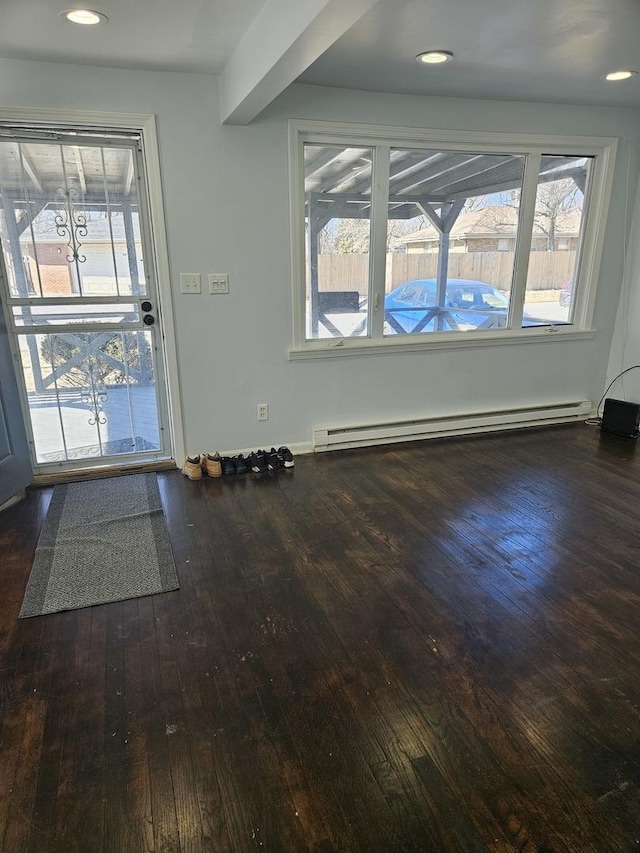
(598, 418)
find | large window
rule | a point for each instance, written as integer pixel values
(447, 237)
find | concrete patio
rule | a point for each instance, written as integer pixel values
(130, 424)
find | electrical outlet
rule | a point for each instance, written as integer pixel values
(218, 282)
(190, 282)
(263, 411)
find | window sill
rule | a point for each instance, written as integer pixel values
(340, 347)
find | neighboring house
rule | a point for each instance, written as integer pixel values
(58, 276)
(493, 229)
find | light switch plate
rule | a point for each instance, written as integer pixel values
(218, 283)
(190, 282)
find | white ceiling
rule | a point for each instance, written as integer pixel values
(159, 35)
(535, 50)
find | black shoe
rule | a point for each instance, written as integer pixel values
(287, 457)
(258, 462)
(228, 466)
(241, 464)
(274, 461)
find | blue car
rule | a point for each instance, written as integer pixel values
(411, 307)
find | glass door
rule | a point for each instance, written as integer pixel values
(78, 280)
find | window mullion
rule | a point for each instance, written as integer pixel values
(298, 235)
(523, 242)
(378, 254)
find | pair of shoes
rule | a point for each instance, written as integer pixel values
(234, 465)
(280, 458)
(274, 460)
(192, 467)
(271, 460)
(258, 462)
(211, 464)
(286, 455)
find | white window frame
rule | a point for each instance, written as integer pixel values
(601, 149)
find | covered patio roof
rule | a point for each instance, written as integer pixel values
(437, 178)
(37, 170)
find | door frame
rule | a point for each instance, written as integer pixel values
(16, 468)
(145, 125)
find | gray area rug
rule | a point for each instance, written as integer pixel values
(102, 540)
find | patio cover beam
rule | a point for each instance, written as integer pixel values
(96, 201)
(22, 286)
(30, 170)
(577, 174)
(77, 156)
(475, 172)
(283, 41)
(443, 222)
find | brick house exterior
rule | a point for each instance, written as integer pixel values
(494, 229)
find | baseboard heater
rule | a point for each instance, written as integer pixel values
(340, 438)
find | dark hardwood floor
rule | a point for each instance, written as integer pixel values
(427, 647)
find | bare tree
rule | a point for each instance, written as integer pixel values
(327, 239)
(555, 201)
(478, 202)
(352, 236)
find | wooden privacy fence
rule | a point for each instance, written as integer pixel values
(547, 270)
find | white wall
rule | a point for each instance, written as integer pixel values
(226, 195)
(625, 350)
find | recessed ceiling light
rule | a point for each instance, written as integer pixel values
(435, 57)
(620, 75)
(87, 17)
